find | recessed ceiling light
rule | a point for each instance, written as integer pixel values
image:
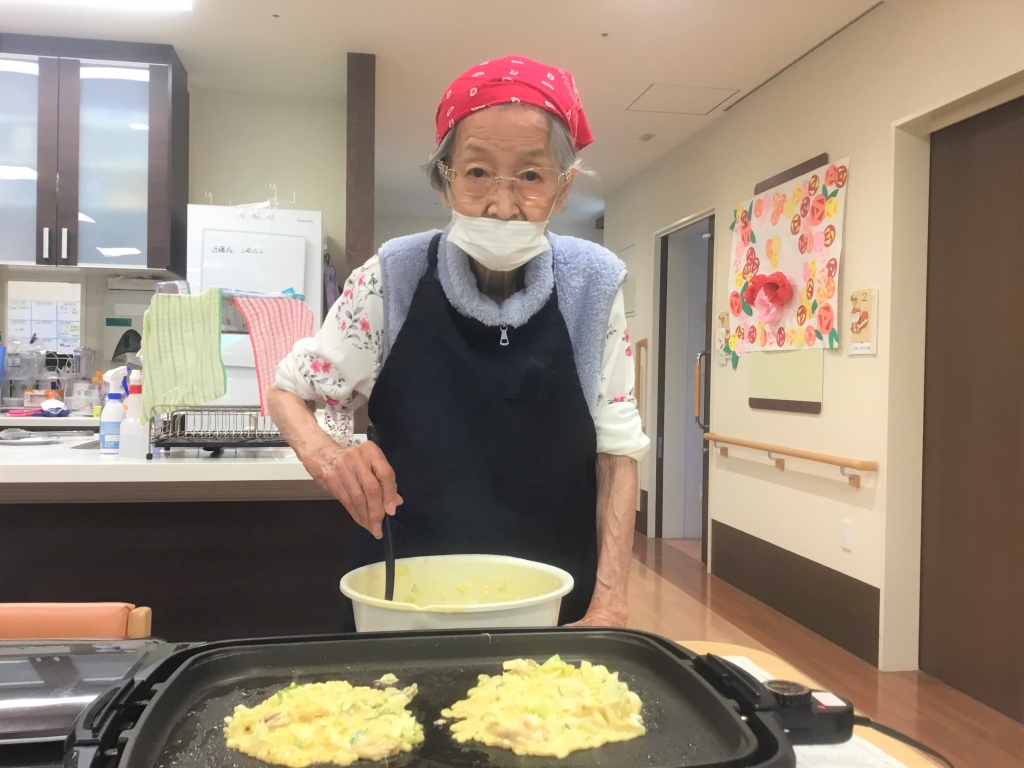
(21, 67)
(138, 126)
(117, 5)
(17, 173)
(115, 73)
(111, 253)
(647, 137)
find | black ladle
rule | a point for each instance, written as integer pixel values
(389, 541)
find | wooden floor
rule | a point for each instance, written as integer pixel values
(672, 595)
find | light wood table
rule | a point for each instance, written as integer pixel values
(779, 669)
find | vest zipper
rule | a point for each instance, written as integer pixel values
(504, 335)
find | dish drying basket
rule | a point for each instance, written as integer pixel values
(212, 428)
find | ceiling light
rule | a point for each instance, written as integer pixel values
(83, 217)
(118, 5)
(115, 73)
(112, 253)
(17, 173)
(139, 126)
(21, 67)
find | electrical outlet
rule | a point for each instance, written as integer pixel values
(846, 535)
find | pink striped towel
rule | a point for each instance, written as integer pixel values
(274, 327)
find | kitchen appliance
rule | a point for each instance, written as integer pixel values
(172, 714)
(249, 251)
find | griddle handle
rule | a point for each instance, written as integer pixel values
(389, 539)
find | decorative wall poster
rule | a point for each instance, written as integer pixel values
(786, 245)
(862, 321)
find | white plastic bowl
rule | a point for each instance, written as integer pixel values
(457, 592)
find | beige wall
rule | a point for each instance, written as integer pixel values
(386, 227)
(242, 142)
(903, 59)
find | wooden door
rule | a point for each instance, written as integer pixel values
(972, 538)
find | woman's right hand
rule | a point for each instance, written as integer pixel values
(361, 479)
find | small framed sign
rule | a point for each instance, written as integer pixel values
(863, 321)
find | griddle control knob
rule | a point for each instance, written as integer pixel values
(789, 694)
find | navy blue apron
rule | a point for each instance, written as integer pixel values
(493, 446)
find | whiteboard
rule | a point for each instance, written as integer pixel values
(252, 261)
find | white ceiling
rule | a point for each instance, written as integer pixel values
(421, 45)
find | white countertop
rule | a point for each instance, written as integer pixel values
(61, 463)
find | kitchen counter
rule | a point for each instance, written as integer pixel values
(59, 471)
(91, 423)
(244, 544)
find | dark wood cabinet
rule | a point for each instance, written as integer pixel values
(109, 122)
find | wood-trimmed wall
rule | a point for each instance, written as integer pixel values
(836, 606)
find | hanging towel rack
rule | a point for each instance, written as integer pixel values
(848, 468)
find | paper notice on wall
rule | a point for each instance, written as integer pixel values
(49, 311)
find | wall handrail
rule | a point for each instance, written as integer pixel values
(844, 464)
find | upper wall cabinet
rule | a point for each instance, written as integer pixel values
(93, 154)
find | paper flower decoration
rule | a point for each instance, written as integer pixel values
(769, 295)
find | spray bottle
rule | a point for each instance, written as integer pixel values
(113, 411)
(134, 430)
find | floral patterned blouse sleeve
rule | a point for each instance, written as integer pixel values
(339, 365)
(617, 419)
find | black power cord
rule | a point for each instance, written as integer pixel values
(892, 733)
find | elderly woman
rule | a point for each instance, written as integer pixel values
(494, 356)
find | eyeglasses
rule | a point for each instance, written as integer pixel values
(530, 184)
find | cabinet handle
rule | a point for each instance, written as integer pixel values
(64, 243)
(46, 243)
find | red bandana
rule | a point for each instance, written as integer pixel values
(514, 79)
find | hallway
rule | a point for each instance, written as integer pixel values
(671, 594)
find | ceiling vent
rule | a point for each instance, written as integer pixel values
(681, 99)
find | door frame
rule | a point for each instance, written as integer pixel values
(660, 248)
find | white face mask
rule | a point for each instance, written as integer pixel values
(498, 245)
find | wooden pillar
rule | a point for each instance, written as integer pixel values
(362, 69)
(361, 106)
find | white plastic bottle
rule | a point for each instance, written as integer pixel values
(110, 424)
(134, 431)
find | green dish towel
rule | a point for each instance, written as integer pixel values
(181, 351)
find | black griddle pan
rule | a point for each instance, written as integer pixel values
(688, 722)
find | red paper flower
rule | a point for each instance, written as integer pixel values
(776, 286)
(826, 319)
(768, 294)
(735, 304)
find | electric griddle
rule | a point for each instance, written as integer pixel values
(699, 711)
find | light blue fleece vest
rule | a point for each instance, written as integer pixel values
(586, 274)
